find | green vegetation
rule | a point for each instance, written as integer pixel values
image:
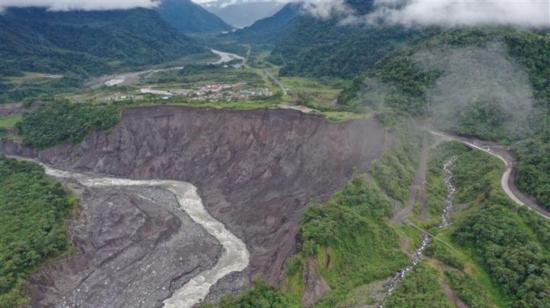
(467, 289)
(259, 296)
(533, 51)
(399, 83)
(323, 48)
(27, 86)
(482, 118)
(347, 255)
(420, 288)
(533, 167)
(439, 251)
(82, 44)
(32, 225)
(348, 239)
(510, 243)
(408, 83)
(395, 170)
(58, 122)
(354, 253)
(317, 94)
(10, 121)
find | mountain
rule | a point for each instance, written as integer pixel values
(188, 17)
(271, 29)
(492, 83)
(311, 46)
(87, 42)
(241, 13)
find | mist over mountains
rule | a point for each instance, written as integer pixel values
(242, 13)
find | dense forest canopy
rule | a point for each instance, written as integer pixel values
(32, 225)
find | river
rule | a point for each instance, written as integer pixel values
(235, 256)
(418, 253)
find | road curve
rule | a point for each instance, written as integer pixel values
(235, 256)
(506, 182)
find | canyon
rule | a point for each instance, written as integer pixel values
(256, 171)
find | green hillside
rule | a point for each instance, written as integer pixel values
(490, 83)
(188, 17)
(309, 46)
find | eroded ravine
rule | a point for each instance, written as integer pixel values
(256, 170)
(418, 253)
(235, 256)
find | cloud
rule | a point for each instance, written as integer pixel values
(67, 5)
(526, 13)
(324, 9)
(450, 13)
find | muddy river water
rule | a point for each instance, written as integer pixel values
(234, 258)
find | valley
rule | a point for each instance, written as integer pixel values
(331, 153)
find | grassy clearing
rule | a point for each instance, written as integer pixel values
(10, 121)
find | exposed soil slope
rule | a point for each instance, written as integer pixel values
(255, 170)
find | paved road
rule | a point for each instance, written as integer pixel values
(507, 179)
(235, 256)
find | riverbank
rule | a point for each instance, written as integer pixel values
(232, 258)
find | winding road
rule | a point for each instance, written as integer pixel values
(235, 256)
(506, 181)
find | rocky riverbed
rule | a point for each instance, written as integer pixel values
(134, 248)
(418, 253)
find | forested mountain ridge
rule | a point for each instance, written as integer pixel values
(272, 29)
(188, 17)
(87, 42)
(307, 45)
(243, 13)
(487, 82)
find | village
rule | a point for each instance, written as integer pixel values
(215, 92)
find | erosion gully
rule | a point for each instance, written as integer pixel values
(418, 253)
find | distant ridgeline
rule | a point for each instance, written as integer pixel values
(310, 46)
(188, 17)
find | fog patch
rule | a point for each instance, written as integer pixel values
(445, 13)
(325, 9)
(453, 13)
(478, 76)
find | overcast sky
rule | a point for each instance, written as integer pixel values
(529, 13)
(64, 5)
